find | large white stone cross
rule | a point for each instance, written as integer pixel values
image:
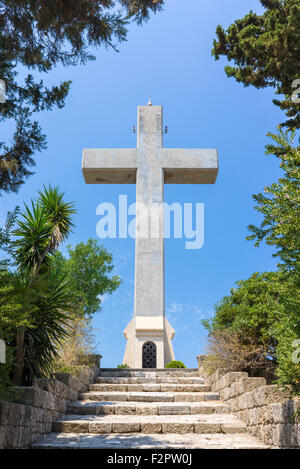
(149, 166)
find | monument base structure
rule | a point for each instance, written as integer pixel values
(149, 342)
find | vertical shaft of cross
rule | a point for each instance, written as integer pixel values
(149, 247)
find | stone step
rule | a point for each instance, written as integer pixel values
(212, 423)
(132, 380)
(153, 441)
(150, 396)
(150, 370)
(149, 373)
(150, 387)
(131, 408)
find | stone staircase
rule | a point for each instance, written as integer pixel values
(149, 408)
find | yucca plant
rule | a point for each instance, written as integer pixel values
(59, 216)
(33, 233)
(39, 232)
(52, 297)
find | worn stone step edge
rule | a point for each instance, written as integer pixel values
(144, 409)
(150, 387)
(140, 441)
(149, 428)
(151, 370)
(141, 374)
(134, 380)
(149, 397)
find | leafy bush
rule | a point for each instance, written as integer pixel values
(49, 320)
(175, 364)
(75, 370)
(44, 301)
(5, 371)
(261, 316)
(123, 366)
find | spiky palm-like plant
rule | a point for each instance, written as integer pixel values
(59, 214)
(33, 233)
(52, 297)
(38, 234)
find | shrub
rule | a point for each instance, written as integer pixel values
(75, 370)
(175, 364)
(123, 366)
(234, 351)
(5, 371)
(77, 348)
(254, 328)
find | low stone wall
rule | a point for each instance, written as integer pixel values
(268, 412)
(34, 409)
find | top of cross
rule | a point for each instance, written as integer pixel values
(179, 165)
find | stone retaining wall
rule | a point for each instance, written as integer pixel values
(34, 409)
(268, 412)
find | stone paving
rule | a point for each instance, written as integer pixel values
(140, 441)
(149, 418)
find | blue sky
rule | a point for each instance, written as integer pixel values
(170, 59)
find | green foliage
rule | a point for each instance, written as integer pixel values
(32, 237)
(88, 271)
(254, 308)
(265, 50)
(236, 351)
(140, 9)
(15, 304)
(49, 300)
(280, 204)
(59, 214)
(49, 321)
(75, 370)
(288, 355)
(175, 364)
(22, 101)
(40, 289)
(39, 35)
(5, 238)
(263, 311)
(123, 366)
(41, 230)
(40, 309)
(5, 371)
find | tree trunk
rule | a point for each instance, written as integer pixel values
(19, 364)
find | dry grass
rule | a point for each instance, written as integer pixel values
(234, 352)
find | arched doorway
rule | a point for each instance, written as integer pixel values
(149, 355)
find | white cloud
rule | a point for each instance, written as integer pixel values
(197, 313)
(102, 298)
(174, 308)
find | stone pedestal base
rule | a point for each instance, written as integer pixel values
(142, 329)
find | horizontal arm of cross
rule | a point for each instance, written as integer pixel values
(109, 165)
(189, 166)
(119, 165)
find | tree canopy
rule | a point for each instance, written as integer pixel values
(87, 270)
(280, 205)
(41, 291)
(265, 50)
(262, 311)
(253, 308)
(37, 35)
